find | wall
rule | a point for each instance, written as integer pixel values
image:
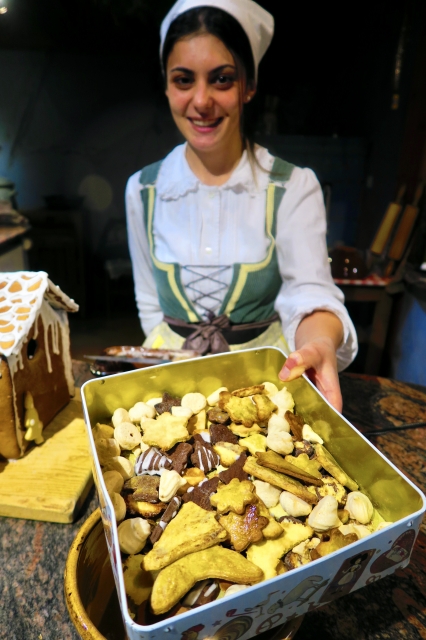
(337, 162)
(78, 124)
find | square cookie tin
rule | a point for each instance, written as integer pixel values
(272, 602)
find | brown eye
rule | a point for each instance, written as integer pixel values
(182, 81)
(224, 81)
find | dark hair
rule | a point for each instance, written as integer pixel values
(227, 29)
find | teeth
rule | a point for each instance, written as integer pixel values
(204, 123)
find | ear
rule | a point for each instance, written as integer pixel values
(250, 92)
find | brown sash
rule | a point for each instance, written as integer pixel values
(217, 333)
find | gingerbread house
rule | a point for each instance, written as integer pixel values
(34, 353)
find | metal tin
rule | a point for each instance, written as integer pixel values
(272, 602)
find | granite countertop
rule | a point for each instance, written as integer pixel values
(33, 554)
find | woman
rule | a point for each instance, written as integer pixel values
(227, 242)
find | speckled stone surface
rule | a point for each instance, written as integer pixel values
(32, 563)
(33, 554)
(394, 607)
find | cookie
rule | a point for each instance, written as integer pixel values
(241, 410)
(168, 515)
(265, 407)
(191, 530)
(201, 493)
(248, 391)
(167, 403)
(194, 476)
(296, 424)
(174, 581)
(221, 433)
(147, 510)
(228, 452)
(244, 529)
(180, 456)
(144, 488)
(287, 483)
(274, 461)
(151, 461)
(234, 496)
(236, 470)
(218, 416)
(204, 456)
(165, 431)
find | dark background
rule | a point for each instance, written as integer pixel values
(342, 89)
(332, 71)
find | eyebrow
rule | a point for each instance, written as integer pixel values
(216, 70)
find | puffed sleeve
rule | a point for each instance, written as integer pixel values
(149, 309)
(303, 262)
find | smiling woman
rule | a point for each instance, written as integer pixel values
(227, 242)
(204, 99)
(207, 96)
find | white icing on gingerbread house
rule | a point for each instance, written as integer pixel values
(34, 346)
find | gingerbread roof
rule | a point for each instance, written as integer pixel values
(21, 297)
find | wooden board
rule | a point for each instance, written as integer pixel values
(52, 480)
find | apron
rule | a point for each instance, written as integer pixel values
(254, 287)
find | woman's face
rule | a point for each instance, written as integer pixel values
(204, 92)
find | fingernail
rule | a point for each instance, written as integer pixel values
(284, 373)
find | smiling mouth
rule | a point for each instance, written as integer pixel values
(205, 124)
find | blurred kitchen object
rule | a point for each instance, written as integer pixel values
(126, 358)
(347, 263)
(387, 224)
(8, 214)
(403, 234)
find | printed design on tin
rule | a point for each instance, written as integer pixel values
(347, 576)
(399, 552)
(192, 632)
(234, 629)
(303, 592)
(231, 630)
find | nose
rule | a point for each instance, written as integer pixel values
(202, 97)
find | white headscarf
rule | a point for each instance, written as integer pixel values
(257, 23)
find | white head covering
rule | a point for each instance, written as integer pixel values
(257, 23)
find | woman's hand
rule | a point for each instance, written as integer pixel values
(317, 339)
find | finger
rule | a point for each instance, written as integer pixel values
(327, 382)
(291, 374)
(298, 362)
(334, 397)
(324, 377)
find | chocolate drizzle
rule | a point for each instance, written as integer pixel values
(151, 462)
(168, 515)
(204, 456)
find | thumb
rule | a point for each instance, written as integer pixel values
(294, 367)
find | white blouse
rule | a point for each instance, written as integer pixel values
(206, 229)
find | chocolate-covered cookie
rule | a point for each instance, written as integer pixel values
(204, 456)
(168, 515)
(167, 403)
(144, 487)
(180, 457)
(218, 415)
(221, 433)
(201, 493)
(151, 461)
(235, 470)
(296, 424)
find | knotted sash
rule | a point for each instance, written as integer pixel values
(215, 334)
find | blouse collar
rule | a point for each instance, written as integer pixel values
(176, 178)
